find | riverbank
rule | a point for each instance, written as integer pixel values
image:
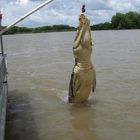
(120, 21)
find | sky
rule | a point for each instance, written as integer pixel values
(64, 11)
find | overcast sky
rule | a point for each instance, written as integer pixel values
(64, 11)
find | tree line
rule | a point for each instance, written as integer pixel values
(54, 28)
(130, 20)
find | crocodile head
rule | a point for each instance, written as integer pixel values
(83, 31)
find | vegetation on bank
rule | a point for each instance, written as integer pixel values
(130, 20)
(54, 28)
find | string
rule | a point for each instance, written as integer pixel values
(84, 2)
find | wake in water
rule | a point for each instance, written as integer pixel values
(63, 96)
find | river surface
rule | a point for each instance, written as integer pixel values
(39, 67)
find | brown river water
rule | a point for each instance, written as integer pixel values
(39, 67)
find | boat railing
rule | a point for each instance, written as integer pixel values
(3, 95)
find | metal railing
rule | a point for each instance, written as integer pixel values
(3, 95)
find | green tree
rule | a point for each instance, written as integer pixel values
(133, 20)
(101, 26)
(117, 21)
(12, 30)
(130, 20)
